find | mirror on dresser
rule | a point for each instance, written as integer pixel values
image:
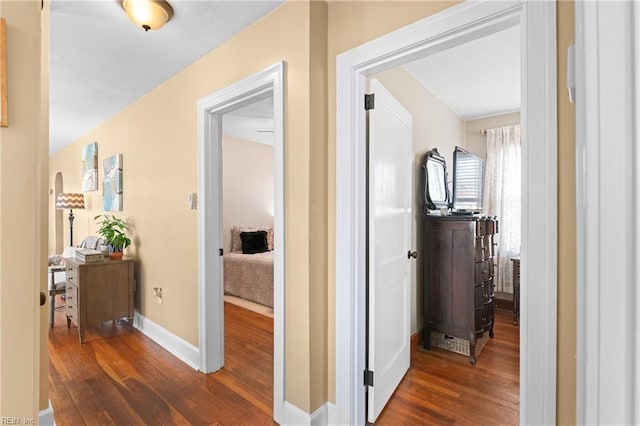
(434, 169)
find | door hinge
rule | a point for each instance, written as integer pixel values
(368, 378)
(221, 251)
(369, 101)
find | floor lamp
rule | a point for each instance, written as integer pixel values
(69, 200)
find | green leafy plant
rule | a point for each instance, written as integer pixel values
(112, 229)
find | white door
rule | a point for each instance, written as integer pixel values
(389, 244)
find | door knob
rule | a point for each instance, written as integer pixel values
(43, 298)
(411, 254)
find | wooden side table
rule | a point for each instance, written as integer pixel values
(98, 292)
(516, 288)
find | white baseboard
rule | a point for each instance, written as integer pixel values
(45, 417)
(294, 416)
(321, 415)
(182, 349)
(331, 413)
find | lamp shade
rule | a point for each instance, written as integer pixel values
(69, 200)
(149, 14)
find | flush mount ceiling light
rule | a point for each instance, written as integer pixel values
(149, 14)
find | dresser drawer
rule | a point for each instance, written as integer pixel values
(72, 301)
(483, 293)
(480, 248)
(72, 272)
(483, 317)
(484, 271)
(490, 227)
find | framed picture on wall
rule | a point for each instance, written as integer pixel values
(112, 183)
(90, 167)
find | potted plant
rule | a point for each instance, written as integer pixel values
(112, 229)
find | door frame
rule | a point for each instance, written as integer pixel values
(538, 329)
(210, 279)
(607, 204)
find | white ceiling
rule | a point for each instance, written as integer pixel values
(102, 62)
(476, 79)
(253, 122)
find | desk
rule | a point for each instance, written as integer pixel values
(52, 289)
(98, 292)
(516, 288)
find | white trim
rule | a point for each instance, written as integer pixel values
(321, 415)
(607, 190)
(210, 288)
(539, 271)
(182, 349)
(45, 417)
(455, 25)
(296, 416)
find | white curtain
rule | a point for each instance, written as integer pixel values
(502, 198)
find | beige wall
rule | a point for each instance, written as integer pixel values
(247, 185)
(475, 142)
(318, 219)
(434, 125)
(566, 389)
(23, 228)
(42, 177)
(157, 137)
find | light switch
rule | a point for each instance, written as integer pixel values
(193, 201)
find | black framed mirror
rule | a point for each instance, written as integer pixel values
(434, 170)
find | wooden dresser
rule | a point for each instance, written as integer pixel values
(458, 264)
(98, 292)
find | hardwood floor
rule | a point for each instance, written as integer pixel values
(442, 388)
(124, 378)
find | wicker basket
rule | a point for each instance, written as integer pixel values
(457, 345)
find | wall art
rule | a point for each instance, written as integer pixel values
(112, 183)
(90, 167)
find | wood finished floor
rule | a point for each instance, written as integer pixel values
(442, 388)
(124, 378)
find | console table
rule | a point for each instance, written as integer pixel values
(98, 292)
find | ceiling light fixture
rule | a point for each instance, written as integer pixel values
(149, 14)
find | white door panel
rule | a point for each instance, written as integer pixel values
(389, 241)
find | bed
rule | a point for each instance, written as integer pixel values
(249, 276)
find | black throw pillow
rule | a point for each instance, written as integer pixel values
(254, 242)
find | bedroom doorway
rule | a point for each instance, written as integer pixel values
(464, 130)
(221, 109)
(453, 26)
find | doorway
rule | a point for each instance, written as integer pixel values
(210, 219)
(462, 23)
(464, 102)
